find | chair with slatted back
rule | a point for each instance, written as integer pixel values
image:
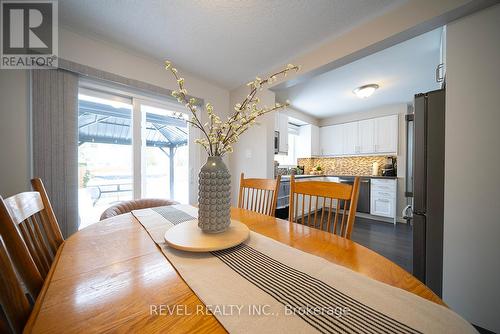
(31, 234)
(328, 206)
(259, 195)
(14, 302)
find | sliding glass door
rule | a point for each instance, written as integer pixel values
(129, 148)
(105, 173)
(165, 155)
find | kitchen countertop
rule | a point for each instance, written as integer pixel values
(287, 177)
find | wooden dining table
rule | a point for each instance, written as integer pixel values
(111, 276)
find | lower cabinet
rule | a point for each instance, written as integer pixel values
(381, 206)
(383, 198)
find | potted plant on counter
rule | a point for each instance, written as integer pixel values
(317, 170)
(218, 138)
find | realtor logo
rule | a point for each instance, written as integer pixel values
(29, 34)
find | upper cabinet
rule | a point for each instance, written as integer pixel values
(281, 125)
(366, 135)
(314, 140)
(307, 143)
(350, 142)
(331, 140)
(386, 134)
(370, 136)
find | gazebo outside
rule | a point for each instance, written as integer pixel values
(100, 123)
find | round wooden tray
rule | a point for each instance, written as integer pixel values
(189, 237)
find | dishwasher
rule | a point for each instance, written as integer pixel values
(364, 192)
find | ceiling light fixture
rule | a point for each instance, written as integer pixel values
(365, 91)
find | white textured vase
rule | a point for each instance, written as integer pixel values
(214, 196)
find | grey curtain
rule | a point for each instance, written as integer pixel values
(54, 107)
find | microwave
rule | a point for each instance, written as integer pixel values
(276, 142)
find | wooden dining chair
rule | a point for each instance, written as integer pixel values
(15, 304)
(310, 200)
(259, 195)
(31, 234)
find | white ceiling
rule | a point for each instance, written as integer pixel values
(401, 72)
(225, 41)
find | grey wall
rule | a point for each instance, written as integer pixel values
(14, 132)
(472, 159)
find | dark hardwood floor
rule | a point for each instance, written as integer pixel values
(389, 240)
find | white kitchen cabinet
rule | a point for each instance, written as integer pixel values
(307, 143)
(331, 139)
(281, 125)
(386, 134)
(314, 140)
(337, 140)
(382, 206)
(350, 140)
(366, 136)
(383, 198)
(325, 140)
(371, 136)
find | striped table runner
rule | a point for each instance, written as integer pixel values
(264, 286)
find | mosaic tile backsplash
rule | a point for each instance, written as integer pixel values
(343, 165)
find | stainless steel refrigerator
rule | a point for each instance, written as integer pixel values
(425, 183)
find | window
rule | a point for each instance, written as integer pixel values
(128, 148)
